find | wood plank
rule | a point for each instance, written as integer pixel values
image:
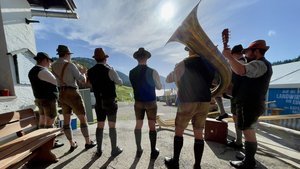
(24, 148)
(15, 116)
(280, 117)
(23, 162)
(213, 114)
(19, 142)
(14, 127)
(164, 123)
(25, 151)
(271, 117)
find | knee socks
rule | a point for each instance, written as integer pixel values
(113, 138)
(178, 143)
(250, 150)
(84, 130)
(138, 138)
(99, 138)
(152, 137)
(68, 132)
(198, 151)
(239, 135)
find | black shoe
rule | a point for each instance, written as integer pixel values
(232, 143)
(72, 148)
(242, 164)
(57, 144)
(221, 117)
(139, 153)
(99, 153)
(91, 145)
(239, 155)
(171, 163)
(155, 153)
(116, 151)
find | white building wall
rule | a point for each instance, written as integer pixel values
(23, 100)
(18, 35)
(26, 62)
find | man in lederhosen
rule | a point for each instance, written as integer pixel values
(44, 86)
(70, 100)
(103, 79)
(251, 93)
(144, 80)
(193, 76)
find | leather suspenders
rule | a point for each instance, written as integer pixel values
(61, 77)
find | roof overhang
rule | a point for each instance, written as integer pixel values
(53, 8)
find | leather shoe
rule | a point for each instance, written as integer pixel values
(91, 145)
(116, 151)
(57, 144)
(239, 155)
(171, 163)
(242, 164)
(155, 153)
(232, 143)
(72, 148)
(221, 117)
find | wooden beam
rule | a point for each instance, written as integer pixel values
(271, 117)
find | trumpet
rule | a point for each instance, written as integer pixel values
(192, 35)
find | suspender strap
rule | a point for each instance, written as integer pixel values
(63, 73)
(61, 77)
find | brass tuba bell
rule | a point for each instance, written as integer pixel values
(192, 35)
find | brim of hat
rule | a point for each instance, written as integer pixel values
(244, 50)
(106, 56)
(35, 58)
(64, 53)
(136, 55)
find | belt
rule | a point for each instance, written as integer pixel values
(66, 87)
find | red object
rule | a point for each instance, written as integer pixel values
(215, 131)
(4, 92)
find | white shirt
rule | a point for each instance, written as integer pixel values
(113, 75)
(156, 78)
(255, 68)
(47, 76)
(71, 73)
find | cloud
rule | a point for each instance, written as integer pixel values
(124, 26)
(40, 31)
(271, 33)
(120, 25)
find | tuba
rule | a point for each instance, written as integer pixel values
(192, 35)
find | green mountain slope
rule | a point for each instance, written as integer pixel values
(88, 63)
(124, 94)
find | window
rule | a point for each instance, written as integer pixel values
(23, 63)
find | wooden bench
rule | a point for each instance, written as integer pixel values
(22, 141)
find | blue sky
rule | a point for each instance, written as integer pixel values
(121, 27)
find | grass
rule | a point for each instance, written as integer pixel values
(124, 94)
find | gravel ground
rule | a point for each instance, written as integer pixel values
(215, 155)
